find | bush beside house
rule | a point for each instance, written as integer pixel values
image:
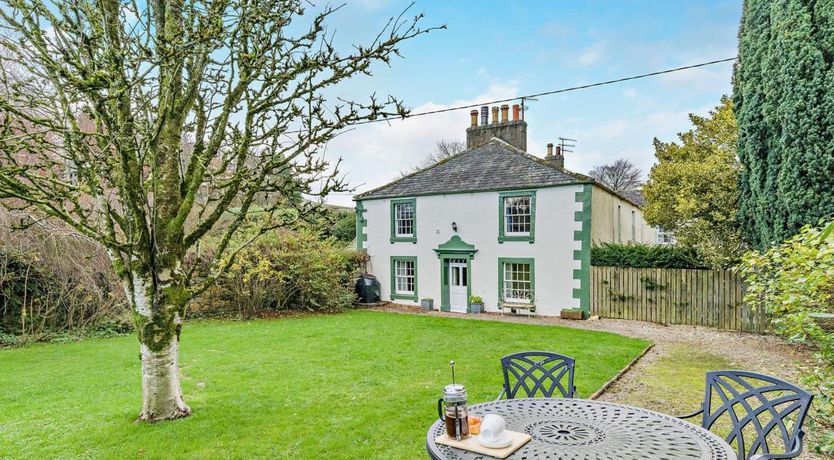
(287, 271)
(794, 281)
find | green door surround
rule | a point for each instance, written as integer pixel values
(455, 248)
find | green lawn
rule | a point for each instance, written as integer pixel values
(354, 385)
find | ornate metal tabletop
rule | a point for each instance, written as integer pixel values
(578, 429)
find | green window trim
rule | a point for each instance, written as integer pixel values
(516, 260)
(394, 294)
(403, 239)
(501, 221)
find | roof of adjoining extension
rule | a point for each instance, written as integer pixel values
(635, 196)
(493, 165)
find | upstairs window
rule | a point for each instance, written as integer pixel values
(404, 220)
(517, 214)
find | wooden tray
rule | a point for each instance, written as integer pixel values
(470, 444)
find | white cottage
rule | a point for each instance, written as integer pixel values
(496, 222)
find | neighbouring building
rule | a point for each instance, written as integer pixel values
(493, 221)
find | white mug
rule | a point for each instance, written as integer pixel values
(492, 426)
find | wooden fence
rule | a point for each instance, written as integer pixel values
(674, 296)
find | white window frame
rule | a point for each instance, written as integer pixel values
(401, 274)
(509, 279)
(665, 238)
(507, 216)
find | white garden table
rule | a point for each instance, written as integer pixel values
(578, 429)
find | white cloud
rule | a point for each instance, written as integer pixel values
(629, 138)
(374, 154)
(590, 55)
(630, 93)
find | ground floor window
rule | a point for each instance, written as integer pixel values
(404, 278)
(665, 238)
(516, 280)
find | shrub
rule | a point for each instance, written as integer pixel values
(792, 281)
(53, 281)
(289, 271)
(645, 256)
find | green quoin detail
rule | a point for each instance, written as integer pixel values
(405, 239)
(394, 294)
(361, 224)
(501, 222)
(583, 255)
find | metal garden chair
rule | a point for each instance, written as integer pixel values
(755, 406)
(537, 372)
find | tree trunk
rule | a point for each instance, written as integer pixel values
(161, 392)
(158, 311)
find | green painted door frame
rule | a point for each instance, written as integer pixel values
(455, 248)
(445, 301)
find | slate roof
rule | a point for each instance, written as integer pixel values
(635, 196)
(494, 165)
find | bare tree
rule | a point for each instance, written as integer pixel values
(442, 150)
(244, 80)
(620, 176)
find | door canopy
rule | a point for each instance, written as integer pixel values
(456, 246)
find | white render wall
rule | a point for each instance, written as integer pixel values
(476, 215)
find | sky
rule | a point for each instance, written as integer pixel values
(504, 49)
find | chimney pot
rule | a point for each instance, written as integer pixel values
(556, 160)
(505, 111)
(478, 133)
(516, 108)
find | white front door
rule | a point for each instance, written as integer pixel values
(457, 285)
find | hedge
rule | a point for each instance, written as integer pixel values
(645, 256)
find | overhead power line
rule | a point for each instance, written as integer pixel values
(555, 91)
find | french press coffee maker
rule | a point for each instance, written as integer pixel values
(452, 410)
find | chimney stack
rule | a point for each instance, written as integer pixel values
(513, 132)
(555, 159)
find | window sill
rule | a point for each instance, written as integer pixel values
(412, 297)
(528, 238)
(531, 307)
(403, 239)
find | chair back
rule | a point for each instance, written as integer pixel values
(534, 372)
(758, 412)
